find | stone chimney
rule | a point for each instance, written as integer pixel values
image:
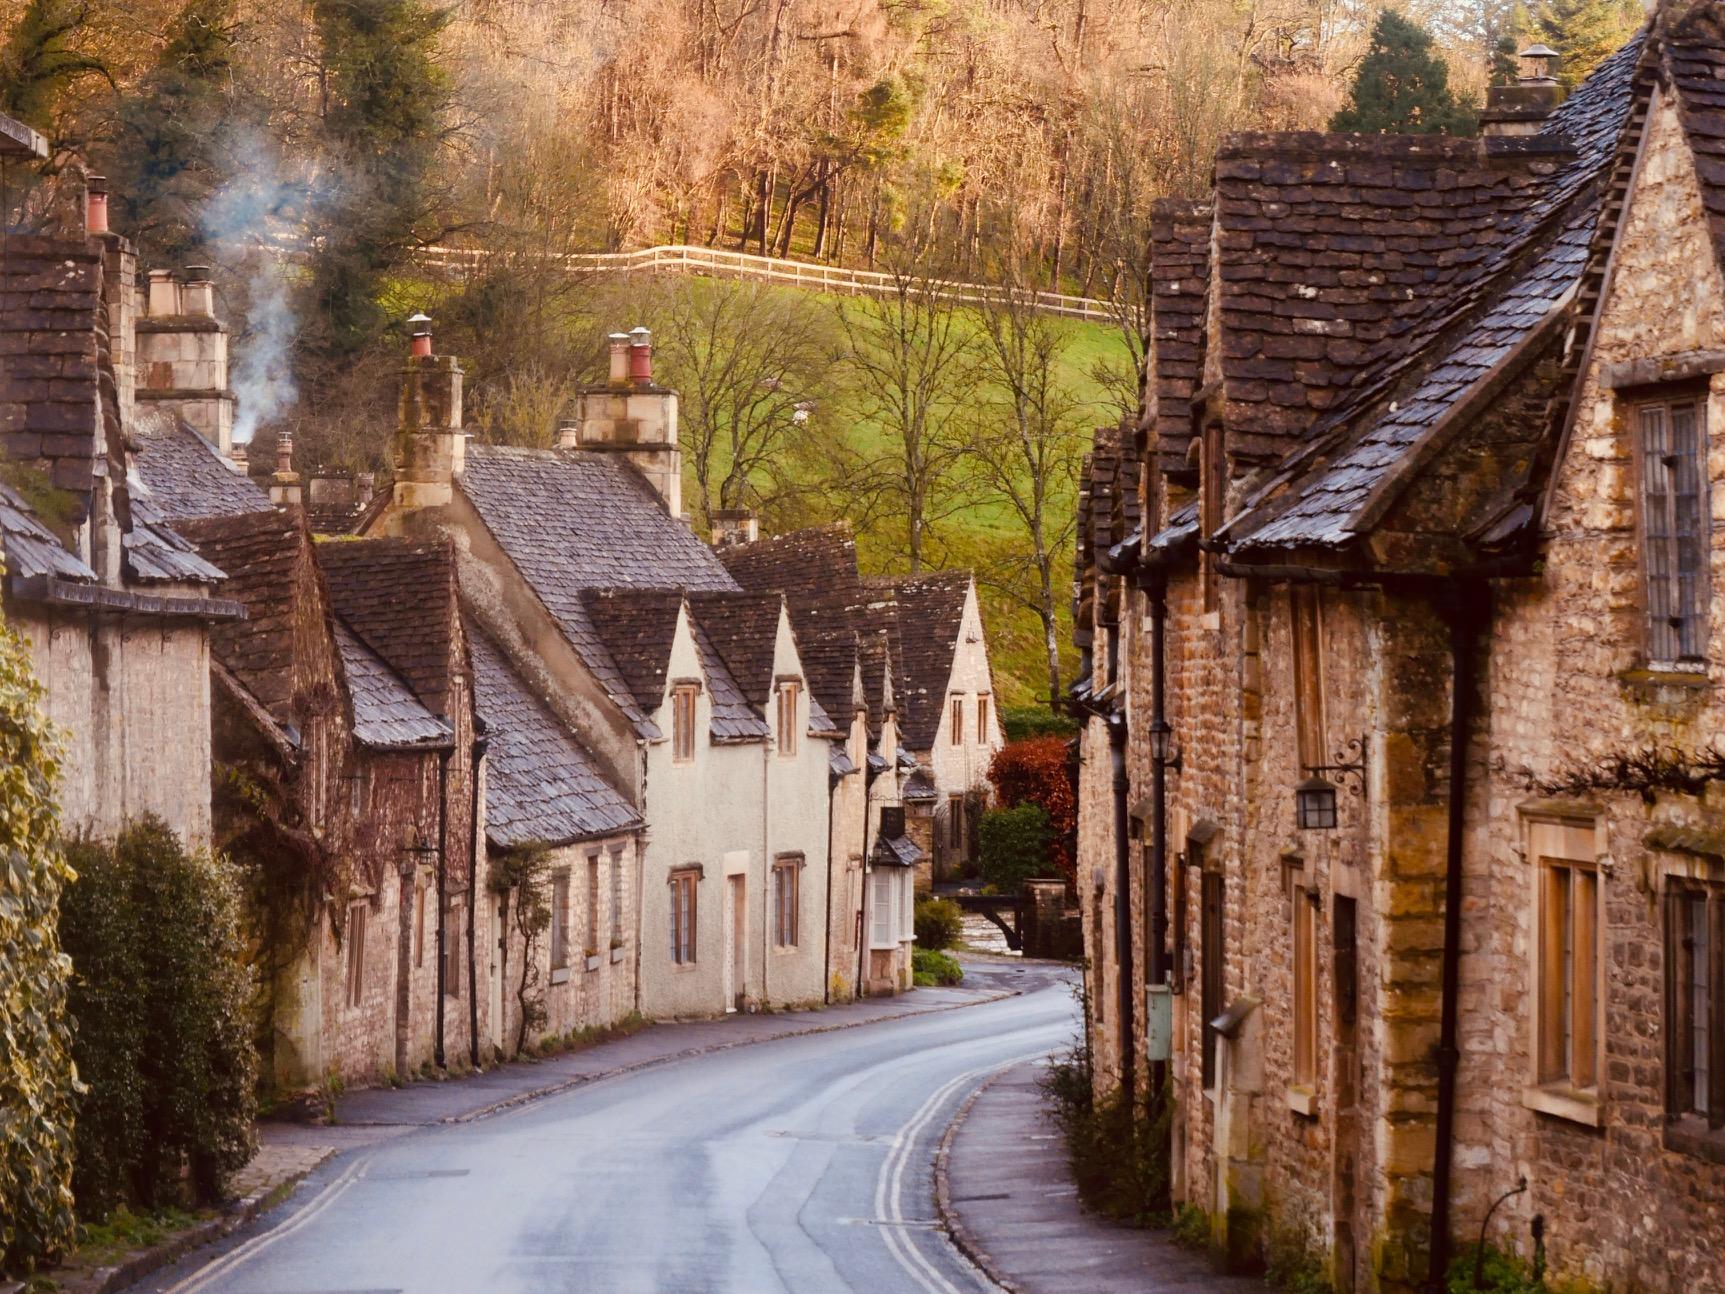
(1521, 109)
(430, 445)
(630, 415)
(733, 527)
(284, 484)
(183, 354)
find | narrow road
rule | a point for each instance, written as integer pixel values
(803, 1164)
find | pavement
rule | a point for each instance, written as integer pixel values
(1006, 1195)
(788, 1151)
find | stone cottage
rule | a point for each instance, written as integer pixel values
(116, 607)
(690, 695)
(872, 860)
(1401, 883)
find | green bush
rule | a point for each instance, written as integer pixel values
(1013, 846)
(1500, 1273)
(929, 968)
(939, 924)
(37, 1079)
(161, 992)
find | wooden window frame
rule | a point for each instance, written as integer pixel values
(1213, 968)
(790, 691)
(1675, 634)
(1306, 632)
(955, 719)
(882, 915)
(618, 895)
(1305, 987)
(453, 915)
(356, 919)
(982, 701)
(1212, 502)
(419, 892)
(787, 900)
(1694, 919)
(594, 859)
(685, 921)
(560, 919)
(1568, 1003)
(955, 823)
(685, 713)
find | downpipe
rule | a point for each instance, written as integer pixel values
(442, 896)
(1126, 979)
(476, 753)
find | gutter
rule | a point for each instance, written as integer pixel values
(54, 591)
(481, 743)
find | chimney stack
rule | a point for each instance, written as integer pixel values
(183, 354)
(568, 433)
(430, 444)
(630, 415)
(284, 485)
(1521, 109)
(95, 204)
(734, 527)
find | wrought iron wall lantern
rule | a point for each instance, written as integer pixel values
(1315, 798)
(1162, 748)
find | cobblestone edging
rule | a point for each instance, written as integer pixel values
(234, 1215)
(711, 1049)
(950, 1221)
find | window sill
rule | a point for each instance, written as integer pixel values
(616, 955)
(1565, 1103)
(593, 962)
(1303, 1101)
(785, 950)
(1690, 1135)
(559, 974)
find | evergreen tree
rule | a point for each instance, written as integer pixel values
(382, 128)
(1402, 87)
(39, 61)
(164, 162)
(1585, 32)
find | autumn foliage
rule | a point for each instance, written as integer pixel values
(1038, 771)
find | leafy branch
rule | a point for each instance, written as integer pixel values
(1647, 770)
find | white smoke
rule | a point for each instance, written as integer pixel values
(252, 223)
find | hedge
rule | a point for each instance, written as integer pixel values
(1013, 845)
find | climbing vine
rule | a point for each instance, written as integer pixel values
(521, 878)
(38, 1083)
(1645, 770)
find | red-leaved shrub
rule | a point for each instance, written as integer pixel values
(1038, 770)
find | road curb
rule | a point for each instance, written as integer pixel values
(692, 1053)
(950, 1221)
(234, 1215)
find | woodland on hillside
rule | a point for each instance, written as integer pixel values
(312, 150)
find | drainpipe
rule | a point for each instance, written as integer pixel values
(442, 896)
(766, 864)
(1123, 900)
(833, 781)
(1156, 971)
(480, 743)
(869, 776)
(1465, 605)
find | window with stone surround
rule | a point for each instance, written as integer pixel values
(356, 914)
(1307, 633)
(786, 872)
(683, 721)
(956, 726)
(1212, 952)
(592, 948)
(982, 720)
(1671, 460)
(1305, 938)
(955, 822)
(683, 882)
(616, 896)
(1695, 1002)
(1213, 485)
(454, 922)
(1565, 857)
(789, 692)
(560, 919)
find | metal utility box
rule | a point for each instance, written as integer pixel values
(1158, 1022)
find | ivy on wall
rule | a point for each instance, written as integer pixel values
(37, 1079)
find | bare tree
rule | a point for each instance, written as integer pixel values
(1027, 441)
(908, 363)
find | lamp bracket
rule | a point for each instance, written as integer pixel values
(1359, 748)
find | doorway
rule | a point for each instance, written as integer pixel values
(1346, 1059)
(736, 941)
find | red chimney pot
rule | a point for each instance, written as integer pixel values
(421, 324)
(641, 357)
(96, 204)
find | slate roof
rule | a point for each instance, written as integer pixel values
(386, 714)
(744, 627)
(1318, 494)
(541, 785)
(573, 522)
(919, 787)
(816, 570)
(923, 613)
(874, 652)
(733, 718)
(897, 851)
(185, 476)
(1179, 281)
(156, 554)
(399, 596)
(262, 554)
(1693, 45)
(30, 548)
(637, 628)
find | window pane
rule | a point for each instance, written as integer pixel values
(1690, 525)
(1700, 1020)
(1658, 525)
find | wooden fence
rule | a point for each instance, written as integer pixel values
(715, 262)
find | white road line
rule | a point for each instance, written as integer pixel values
(258, 1243)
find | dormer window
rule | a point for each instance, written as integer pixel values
(683, 722)
(1672, 459)
(789, 693)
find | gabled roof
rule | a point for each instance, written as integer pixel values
(733, 718)
(184, 475)
(30, 548)
(874, 653)
(744, 627)
(924, 614)
(1692, 43)
(637, 627)
(156, 554)
(541, 785)
(1179, 281)
(1456, 352)
(816, 570)
(572, 522)
(399, 596)
(386, 714)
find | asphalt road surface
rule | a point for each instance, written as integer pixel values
(802, 1164)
